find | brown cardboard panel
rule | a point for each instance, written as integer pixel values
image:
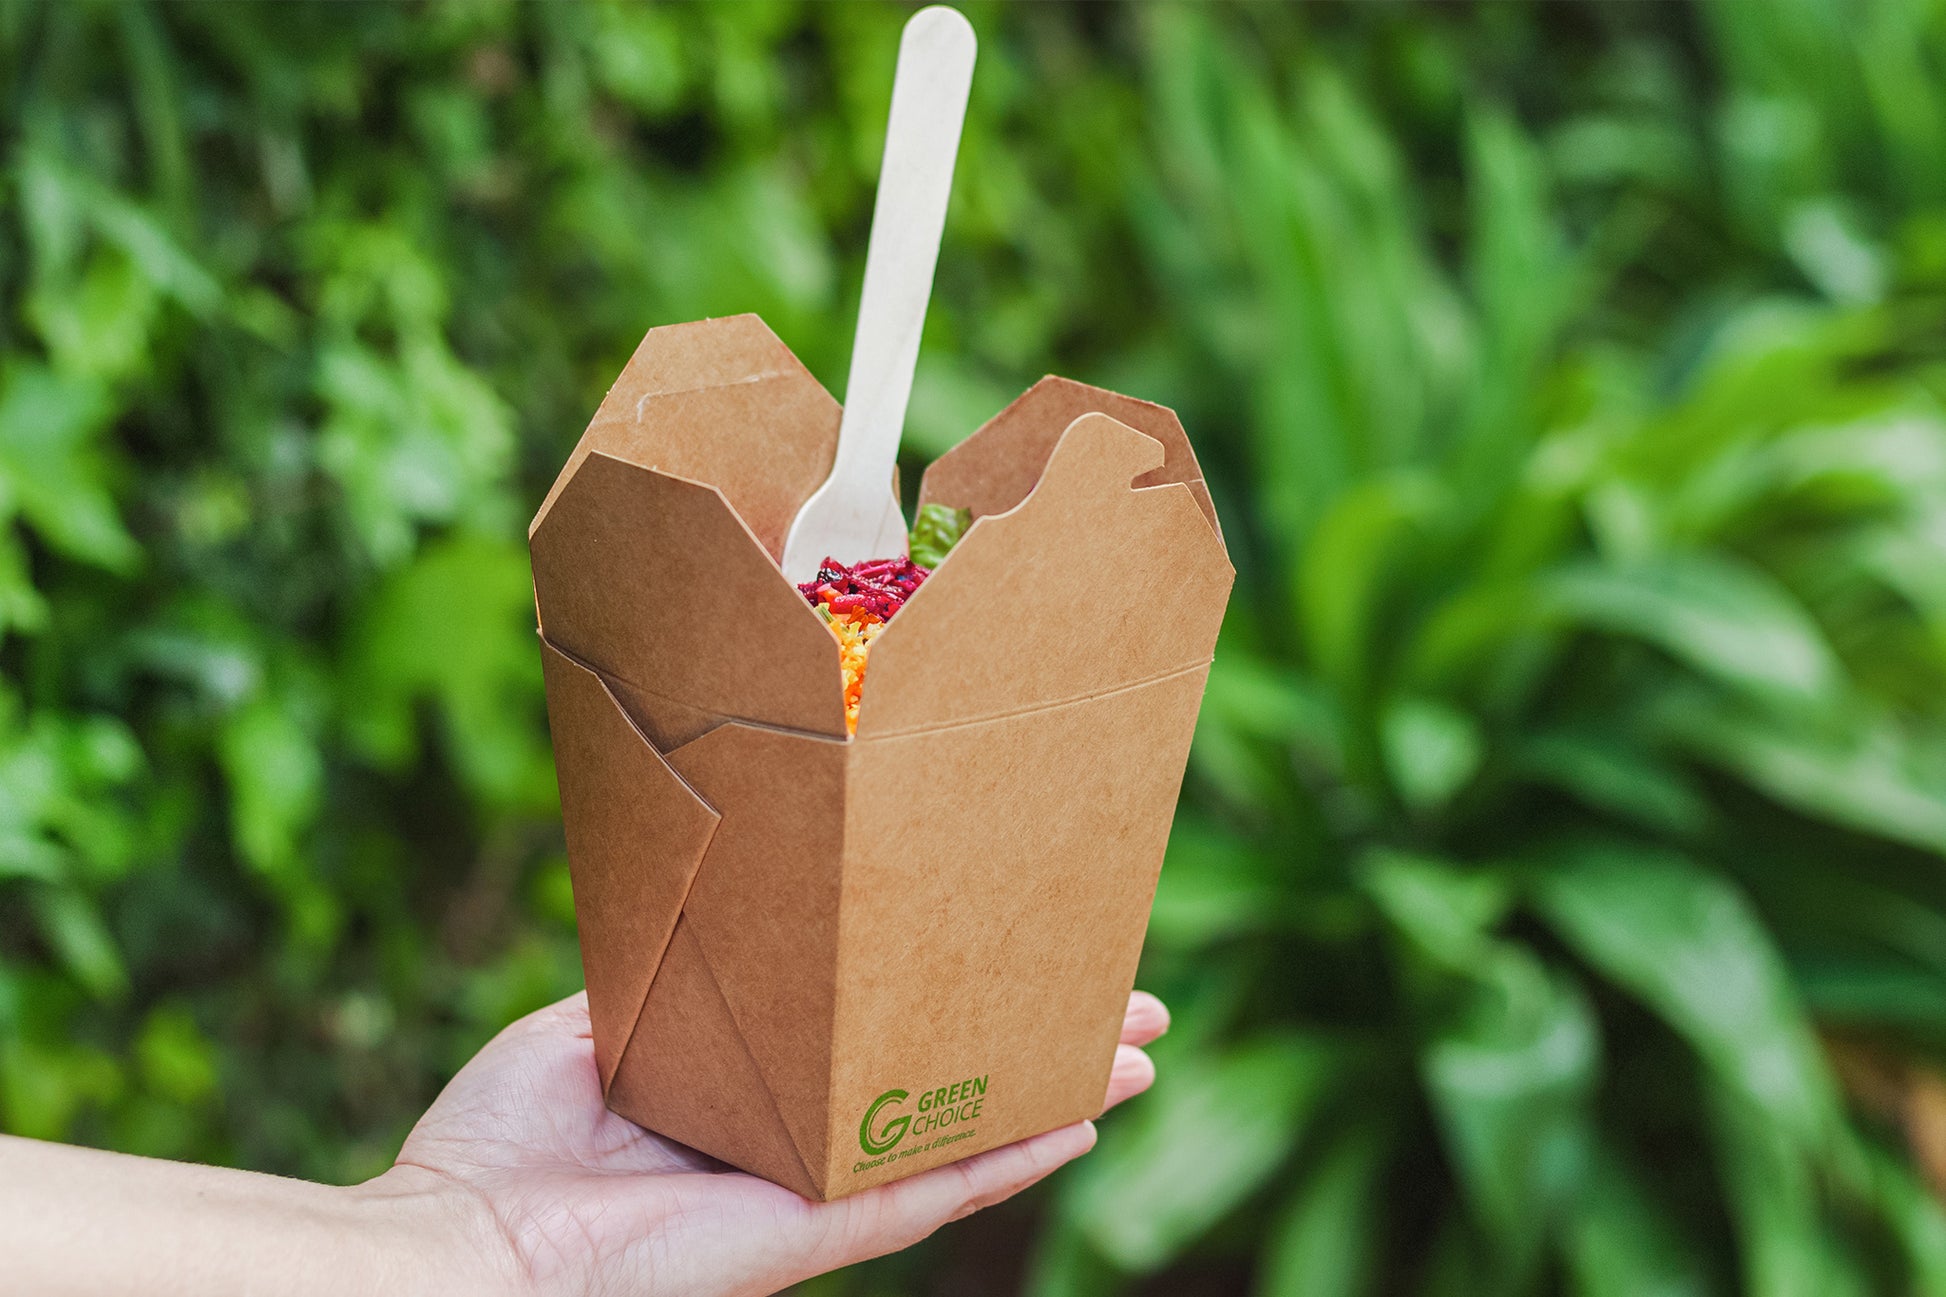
(994, 468)
(724, 402)
(997, 883)
(764, 908)
(1086, 586)
(655, 580)
(665, 722)
(1200, 490)
(636, 835)
(687, 1075)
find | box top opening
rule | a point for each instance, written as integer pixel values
(1094, 563)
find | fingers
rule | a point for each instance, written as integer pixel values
(1147, 1018)
(897, 1215)
(1131, 1074)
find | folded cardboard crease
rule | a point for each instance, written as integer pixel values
(781, 926)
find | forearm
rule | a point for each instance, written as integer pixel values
(76, 1220)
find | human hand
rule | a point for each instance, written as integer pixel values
(570, 1198)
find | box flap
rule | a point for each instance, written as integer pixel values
(723, 402)
(636, 835)
(1088, 585)
(688, 1075)
(994, 468)
(764, 909)
(657, 581)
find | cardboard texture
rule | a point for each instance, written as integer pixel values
(835, 961)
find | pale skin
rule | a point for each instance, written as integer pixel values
(516, 1181)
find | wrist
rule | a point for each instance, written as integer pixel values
(440, 1232)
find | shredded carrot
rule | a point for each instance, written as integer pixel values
(856, 602)
(855, 631)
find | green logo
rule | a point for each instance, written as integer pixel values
(888, 1139)
(931, 1123)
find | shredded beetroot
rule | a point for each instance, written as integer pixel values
(874, 589)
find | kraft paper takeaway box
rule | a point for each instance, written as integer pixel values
(836, 961)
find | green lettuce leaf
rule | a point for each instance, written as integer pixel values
(935, 531)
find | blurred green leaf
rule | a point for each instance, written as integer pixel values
(276, 781)
(72, 926)
(176, 1059)
(1064, 1265)
(1510, 1078)
(52, 475)
(1323, 1242)
(1858, 772)
(1774, 1198)
(1212, 887)
(455, 628)
(1623, 1243)
(1609, 771)
(1431, 749)
(1198, 1146)
(1720, 617)
(1340, 582)
(1446, 912)
(1910, 1209)
(1687, 943)
(44, 1086)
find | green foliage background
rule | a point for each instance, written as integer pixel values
(1568, 815)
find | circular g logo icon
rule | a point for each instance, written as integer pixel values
(888, 1139)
